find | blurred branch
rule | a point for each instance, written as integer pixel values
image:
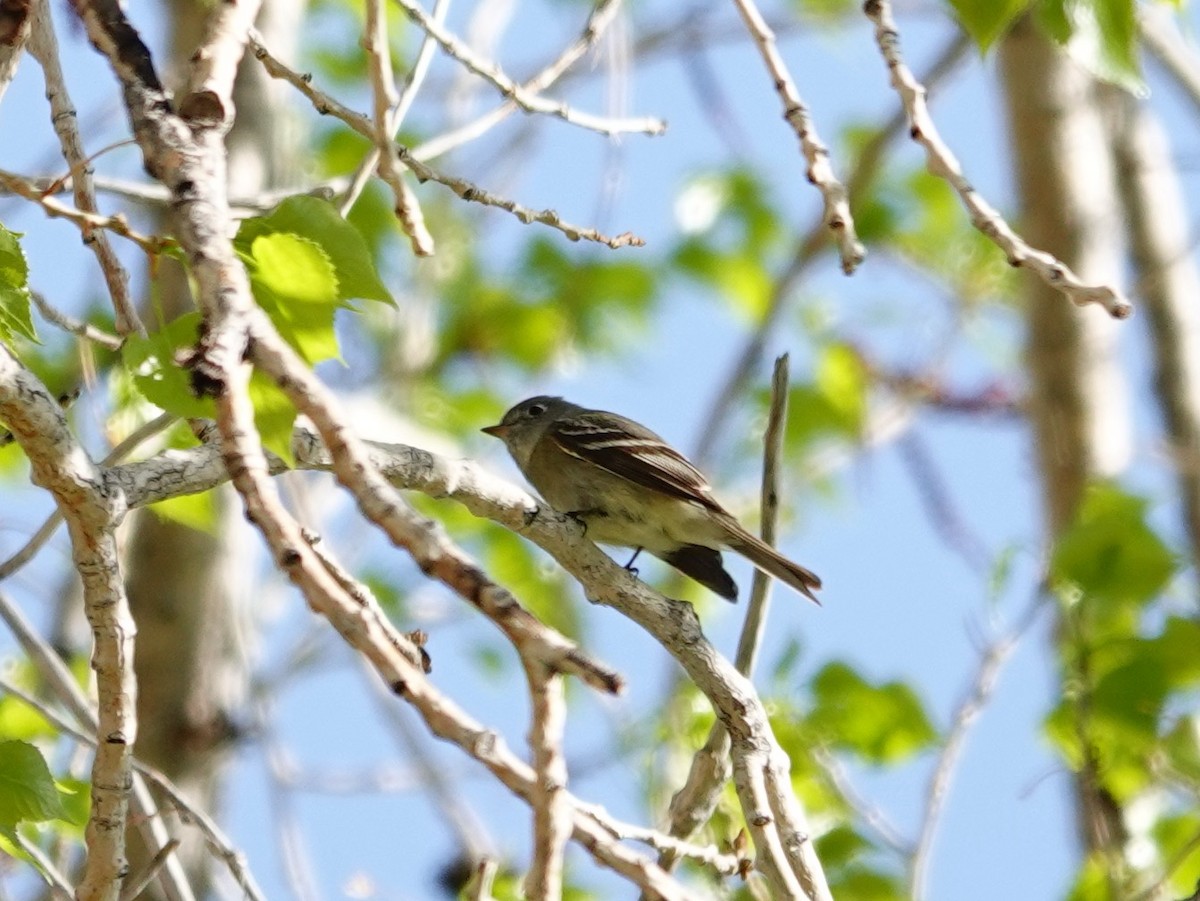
(1168, 281)
(837, 217)
(474, 842)
(1161, 35)
(43, 46)
(15, 21)
(935, 497)
(87, 222)
(75, 326)
(526, 100)
(326, 105)
(942, 163)
(991, 661)
(808, 248)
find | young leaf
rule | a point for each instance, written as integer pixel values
(318, 221)
(987, 20)
(15, 317)
(294, 281)
(1110, 553)
(27, 791)
(882, 723)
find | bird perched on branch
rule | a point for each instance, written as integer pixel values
(632, 489)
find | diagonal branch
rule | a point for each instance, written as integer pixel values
(837, 217)
(942, 163)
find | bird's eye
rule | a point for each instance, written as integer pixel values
(537, 409)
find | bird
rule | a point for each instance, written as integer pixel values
(629, 488)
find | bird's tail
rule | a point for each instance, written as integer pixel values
(770, 561)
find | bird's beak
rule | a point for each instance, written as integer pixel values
(496, 431)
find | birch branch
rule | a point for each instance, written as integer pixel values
(942, 163)
(93, 509)
(551, 813)
(837, 217)
(43, 46)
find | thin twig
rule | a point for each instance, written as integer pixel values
(43, 45)
(990, 663)
(383, 90)
(837, 217)
(75, 326)
(86, 222)
(326, 105)
(529, 102)
(942, 163)
(396, 114)
(760, 592)
(693, 803)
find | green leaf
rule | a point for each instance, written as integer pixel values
(295, 283)
(318, 221)
(196, 511)
(834, 404)
(987, 20)
(15, 317)
(1101, 35)
(1110, 553)
(27, 791)
(882, 723)
(153, 362)
(274, 416)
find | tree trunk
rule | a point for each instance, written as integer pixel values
(1078, 405)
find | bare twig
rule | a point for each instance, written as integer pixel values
(941, 162)
(760, 591)
(383, 89)
(693, 804)
(325, 104)
(990, 663)
(87, 222)
(396, 113)
(837, 217)
(529, 102)
(43, 45)
(551, 812)
(75, 326)
(137, 883)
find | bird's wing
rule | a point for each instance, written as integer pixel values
(632, 451)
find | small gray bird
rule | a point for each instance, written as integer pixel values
(630, 488)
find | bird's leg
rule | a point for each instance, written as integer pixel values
(580, 516)
(629, 566)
